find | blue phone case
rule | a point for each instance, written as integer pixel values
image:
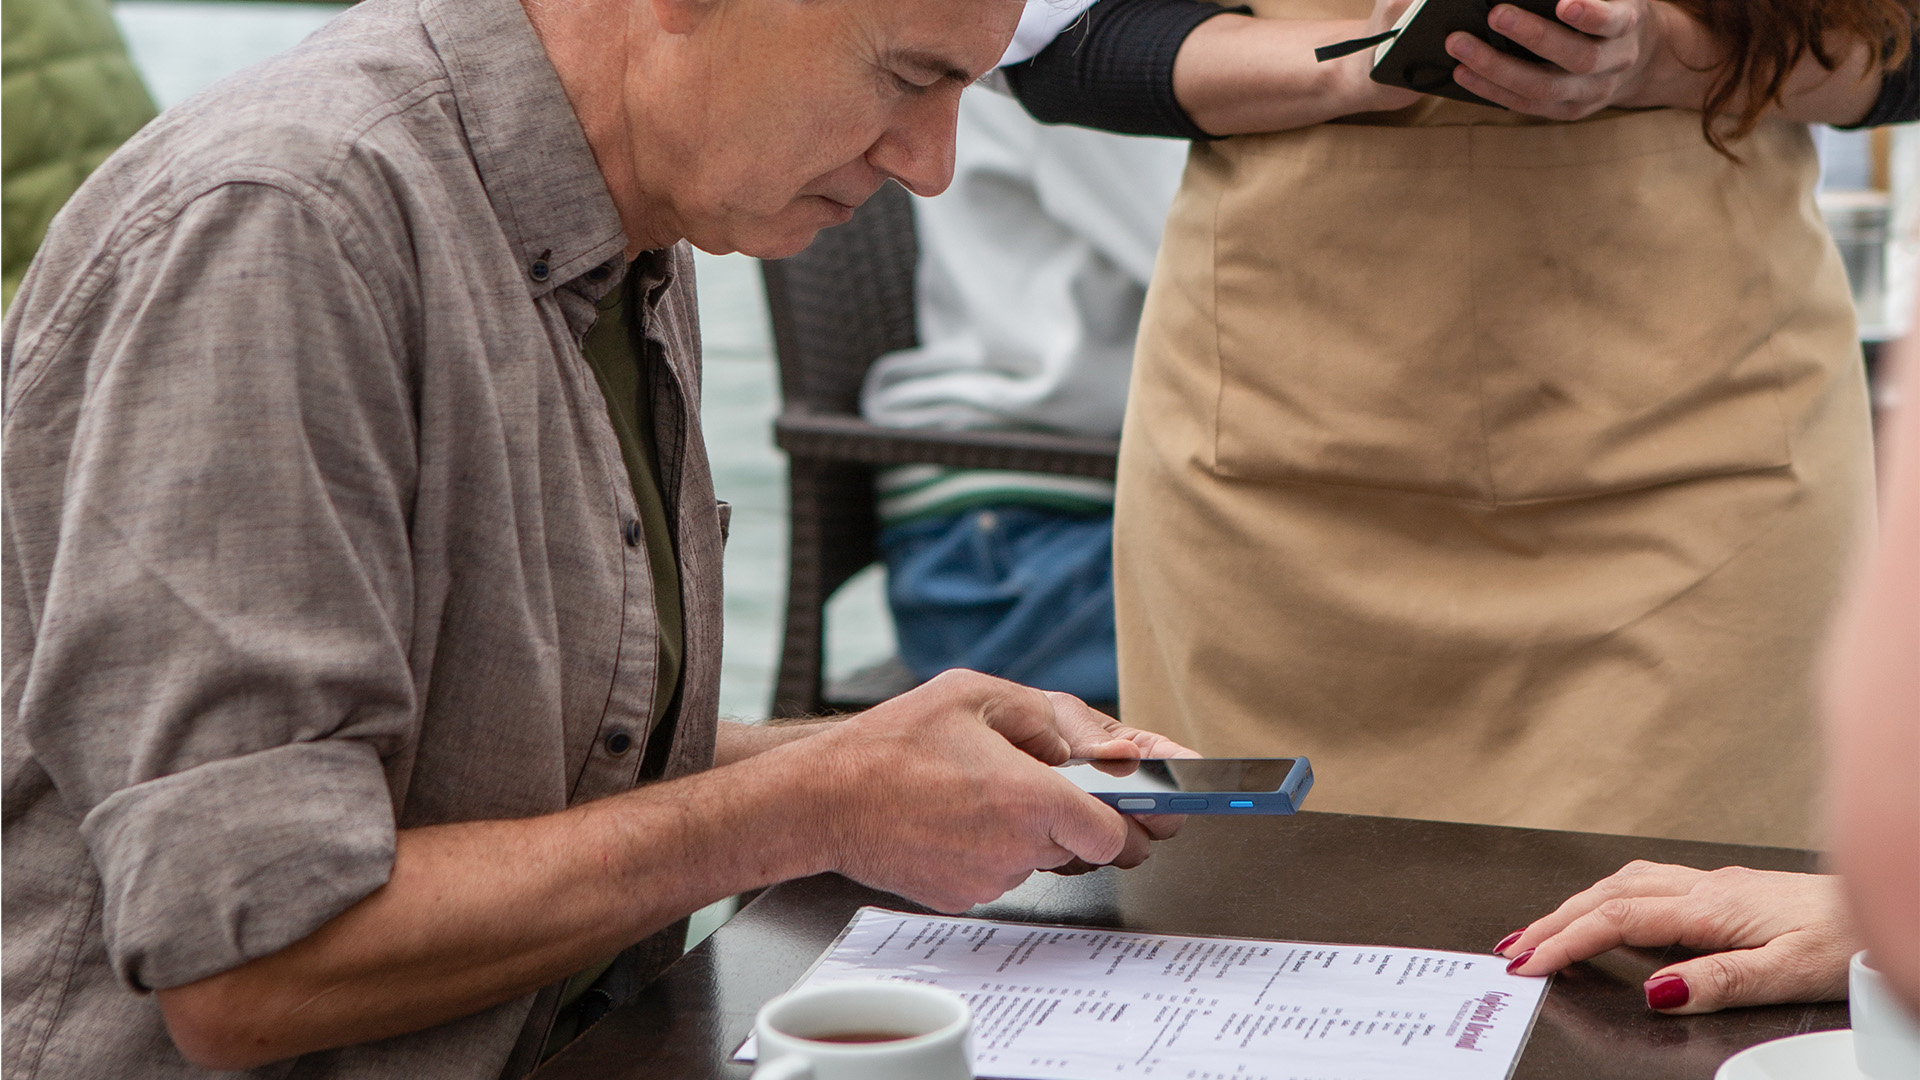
(1285, 800)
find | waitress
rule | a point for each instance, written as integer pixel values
(1507, 466)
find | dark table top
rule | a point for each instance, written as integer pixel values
(1311, 877)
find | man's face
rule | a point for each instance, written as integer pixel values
(787, 114)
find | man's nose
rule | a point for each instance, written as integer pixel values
(917, 149)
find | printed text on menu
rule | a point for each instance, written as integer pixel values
(1060, 1003)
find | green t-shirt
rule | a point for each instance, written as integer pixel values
(614, 348)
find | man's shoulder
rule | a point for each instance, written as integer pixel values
(343, 122)
(350, 127)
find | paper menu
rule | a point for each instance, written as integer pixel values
(1069, 1003)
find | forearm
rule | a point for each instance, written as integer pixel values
(1237, 75)
(1189, 69)
(479, 913)
(737, 742)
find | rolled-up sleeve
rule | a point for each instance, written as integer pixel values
(232, 860)
(221, 682)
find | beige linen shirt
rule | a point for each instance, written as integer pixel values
(316, 527)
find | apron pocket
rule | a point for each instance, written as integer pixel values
(1507, 314)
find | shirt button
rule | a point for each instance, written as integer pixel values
(632, 532)
(619, 743)
(539, 270)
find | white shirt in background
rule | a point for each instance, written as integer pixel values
(1033, 270)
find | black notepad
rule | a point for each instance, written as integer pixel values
(1417, 57)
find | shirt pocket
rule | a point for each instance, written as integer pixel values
(1507, 314)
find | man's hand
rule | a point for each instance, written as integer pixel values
(1773, 937)
(947, 798)
(1600, 54)
(1089, 733)
(1073, 729)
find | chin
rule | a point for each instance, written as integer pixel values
(779, 247)
(793, 231)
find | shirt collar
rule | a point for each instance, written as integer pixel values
(527, 143)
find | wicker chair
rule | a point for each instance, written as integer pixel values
(836, 308)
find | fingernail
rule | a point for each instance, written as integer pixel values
(1667, 992)
(1502, 19)
(1519, 960)
(1507, 941)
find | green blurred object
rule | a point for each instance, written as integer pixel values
(69, 98)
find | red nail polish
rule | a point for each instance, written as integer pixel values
(1667, 992)
(1518, 960)
(1507, 941)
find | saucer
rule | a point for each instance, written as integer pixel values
(1821, 1055)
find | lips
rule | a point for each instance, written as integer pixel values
(850, 200)
(840, 212)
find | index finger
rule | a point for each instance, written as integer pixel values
(1636, 879)
(1640, 921)
(1086, 827)
(1520, 85)
(1557, 43)
(1161, 826)
(1600, 18)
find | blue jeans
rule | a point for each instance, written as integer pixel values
(1020, 592)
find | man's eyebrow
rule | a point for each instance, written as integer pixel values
(929, 62)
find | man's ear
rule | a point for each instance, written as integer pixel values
(682, 16)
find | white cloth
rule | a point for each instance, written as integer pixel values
(1033, 269)
(1040, 23)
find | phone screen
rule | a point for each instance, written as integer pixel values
(1226, 775)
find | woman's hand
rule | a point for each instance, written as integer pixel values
(1784, 936)
(1600, 54)
(1367, 95)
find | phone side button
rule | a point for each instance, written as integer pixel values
(1240, 804)
(1134, 804)
(1189, 803)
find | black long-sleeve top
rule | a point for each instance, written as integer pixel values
(1113, 70)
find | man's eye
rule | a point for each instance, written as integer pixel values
(906, 85)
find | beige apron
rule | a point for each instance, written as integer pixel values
(1506, 469)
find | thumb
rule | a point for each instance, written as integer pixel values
(1087, 827)
(1027, 718)
(1777, 971)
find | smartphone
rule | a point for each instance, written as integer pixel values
(1195, 785)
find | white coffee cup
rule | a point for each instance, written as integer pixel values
(1886, 1038)
(881, 1030)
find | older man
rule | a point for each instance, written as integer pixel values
(362, 563)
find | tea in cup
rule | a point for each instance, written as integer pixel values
(879, 1030)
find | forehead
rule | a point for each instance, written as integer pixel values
(960, 39)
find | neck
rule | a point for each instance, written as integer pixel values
(598, 47)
